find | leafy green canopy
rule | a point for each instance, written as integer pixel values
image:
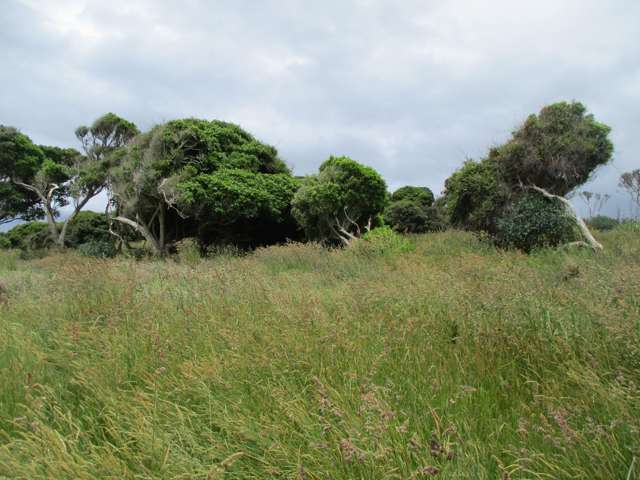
(411, 210)
(475, 195)
(26, 168)
(241, 206)
(420, 195)
(557, 150)
(184, 177)
(342, 194)
(410, 217)
(535, 221)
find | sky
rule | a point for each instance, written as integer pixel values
(411, 88)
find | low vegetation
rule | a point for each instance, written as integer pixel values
(410, 357)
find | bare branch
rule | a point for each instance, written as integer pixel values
(593, 243)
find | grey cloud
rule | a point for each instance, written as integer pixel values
(411, 88)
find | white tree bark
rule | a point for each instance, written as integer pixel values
(591, 241)
(145, 232)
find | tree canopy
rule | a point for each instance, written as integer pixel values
(340, 200)
(187, 176)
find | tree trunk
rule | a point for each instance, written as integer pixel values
(145, 232)
(591, 241)
(61, 237)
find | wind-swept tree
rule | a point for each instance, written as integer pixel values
(552, 153)
(199, 178)
(341, 201)
(18, 158)
(59, 176)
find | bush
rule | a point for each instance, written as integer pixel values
(535, 221)
(29, 236)
(88, 227)
(602, 222)
(475, 196)
(98, 249)
(407, 216)
(344, 192)
(420, 195)
(382, 241)
(5, 244)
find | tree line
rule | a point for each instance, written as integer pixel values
(215, 182)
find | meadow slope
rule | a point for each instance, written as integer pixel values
(452, 361)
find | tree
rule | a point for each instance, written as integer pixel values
(476, 195)
(557, 149)
(411, 210)
(630, 181)
(552, 153)
(421, 195)
(53, 175)
(240, 206)
(342, 200)
(19, 157)
(164, 179)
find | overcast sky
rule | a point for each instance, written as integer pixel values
(411, 88)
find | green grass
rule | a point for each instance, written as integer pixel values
(448, 358)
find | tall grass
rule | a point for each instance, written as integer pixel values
(448, 359)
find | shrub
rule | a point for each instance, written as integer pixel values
(98, 249)
(407, 216)
(29, 236)
(535, 221)
(4, 242)
(344, 193)
(88, 227)
(382, 241)
(602, 222)
(420, 195)
(475, 196)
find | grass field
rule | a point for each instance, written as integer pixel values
(452, 361)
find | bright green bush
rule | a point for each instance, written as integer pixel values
(475, 196)
(29, 236)
(343, 193)
(383, 241)
(420, 195)
(535, 221)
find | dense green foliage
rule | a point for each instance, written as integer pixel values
(476, 195)
(603, 223)
(28, 236)
(423, 196)
(301, 362)
(241, 207)
(86, 227)
(38, 180)
(411, 210)
(98, 249)
(20, 161)
(166, 177)
(557, 150)
(534, 221)
(344, 194)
